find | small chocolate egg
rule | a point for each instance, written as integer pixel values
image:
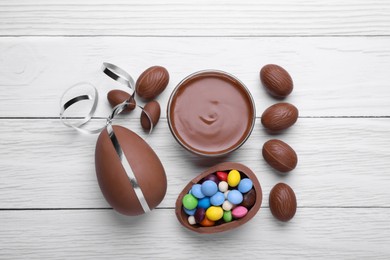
(280, 155)
(282, 202)
(279, 117)
(116, 96)
(276, 81)
(153, 109)
(130, 175)
(152, 82)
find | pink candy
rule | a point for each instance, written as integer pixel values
(239, 212)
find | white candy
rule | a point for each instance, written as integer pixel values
(191, 220)
(223, 186)
(226, 193)
(227, 205)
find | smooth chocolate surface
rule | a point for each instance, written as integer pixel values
(211, 113)
(113, 180)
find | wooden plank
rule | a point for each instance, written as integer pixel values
(189, 18)
(333, 76)
(321, 233)
(342, 163)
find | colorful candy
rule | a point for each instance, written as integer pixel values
(189, 201)
(207, 223)
(209, 188)
(227, 206)
(223, 186)
(245, 185)
(239, 212)
(211, 177)
(199, 215)
(217, 199)
(196, 190)
(214, 213)
(235, 197)
(222, 176)
(204, 203)
(189, 212)
(227, 216)
(221, 197)
(233, 178)
(191, 220)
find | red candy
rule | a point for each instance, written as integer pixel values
(222, 176)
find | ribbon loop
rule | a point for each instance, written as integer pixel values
(90, 93)
(118, 75)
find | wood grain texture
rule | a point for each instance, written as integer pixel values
(338, 54)
(332, 76)
(189, 18)
(318, 233)
(341, 163)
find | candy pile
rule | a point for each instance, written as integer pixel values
(219, 198)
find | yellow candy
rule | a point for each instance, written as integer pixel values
(214, 213)
(233, 178)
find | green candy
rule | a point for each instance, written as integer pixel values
(227, 216)
(190, 202)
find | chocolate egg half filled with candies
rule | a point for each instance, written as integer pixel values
(208, 205)
(130, 175)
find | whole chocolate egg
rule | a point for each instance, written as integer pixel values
(130, 175)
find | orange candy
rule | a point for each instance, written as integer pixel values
(207, 223)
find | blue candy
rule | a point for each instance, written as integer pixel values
(204, 203)
(217, 199)
(245, 185)
(189, 212)
(209, 188)
(196, 190)
(235, 197)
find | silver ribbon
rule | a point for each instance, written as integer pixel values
(129, 171)
(117, 74)
(84, 120)
(124, 78)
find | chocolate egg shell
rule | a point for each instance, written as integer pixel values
(279, 117)
(153, 109)
(118, 188)
(152, 82)
(279, 155)
(227, 166)
(116, 97)
(282, 202)
(276, 81)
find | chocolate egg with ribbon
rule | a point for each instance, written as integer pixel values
(130, 174)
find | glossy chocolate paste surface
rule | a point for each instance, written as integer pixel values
(211, 113)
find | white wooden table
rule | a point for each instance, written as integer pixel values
(338, 53)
